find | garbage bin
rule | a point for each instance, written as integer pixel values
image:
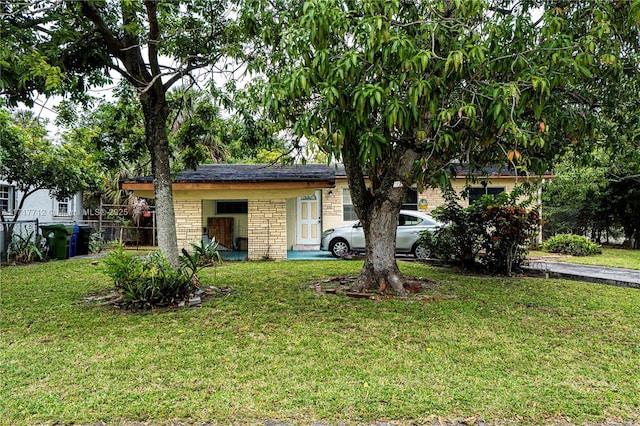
(73, 242)
(59, 238)
(84, 236)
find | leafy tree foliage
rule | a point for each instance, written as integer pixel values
(600, 199)
(198, 132)
(623, 194)
(64, 47)
(569, 200)
(205, 132)
(31, 162)
(114, 131)
(401, 92)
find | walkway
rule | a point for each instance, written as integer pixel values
(291, 255)
(595, 274)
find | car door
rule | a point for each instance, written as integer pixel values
(408, 232)
(357, 237)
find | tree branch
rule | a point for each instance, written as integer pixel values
(154, 35)
(114, 45)
(124, 73)
(179, 74)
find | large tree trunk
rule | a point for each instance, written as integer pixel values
(155, 109)
(377, 204)
(380, 269)
(146, 78)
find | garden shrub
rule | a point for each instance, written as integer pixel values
(500, 229)
(575, 245)
(459, 241)
(27, 249)
(508, 231)
(151, 281)
(207, 253)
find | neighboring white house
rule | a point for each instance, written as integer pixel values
(39, 208)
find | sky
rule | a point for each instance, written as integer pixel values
(45, 107)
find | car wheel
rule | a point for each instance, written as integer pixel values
(421, 252)
(339, 247)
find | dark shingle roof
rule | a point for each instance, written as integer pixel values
(493, 171)
(461, 170)
(253, 173)
(487, 170)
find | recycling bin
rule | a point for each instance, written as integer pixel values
(73, 242)
(84, 236)
(59, 238)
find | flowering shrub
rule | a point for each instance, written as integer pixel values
(492, 234)
(508, 232)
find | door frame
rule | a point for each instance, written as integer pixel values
(318, 221)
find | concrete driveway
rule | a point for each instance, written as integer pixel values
(596, 274)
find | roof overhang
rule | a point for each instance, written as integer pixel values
(506, 176)
(194, 186)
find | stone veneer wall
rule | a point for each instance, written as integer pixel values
(433, 196)
(267, 229)
(332, 202)
(188, 222)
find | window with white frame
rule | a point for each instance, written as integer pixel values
(64, 206)
(6, 199)
(348, 212)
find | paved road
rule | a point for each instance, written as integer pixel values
(597, 274)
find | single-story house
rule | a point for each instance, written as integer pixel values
(267, 210)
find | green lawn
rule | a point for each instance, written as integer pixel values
(619, 258)
(526, 350)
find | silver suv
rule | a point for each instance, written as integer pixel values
(345, 239)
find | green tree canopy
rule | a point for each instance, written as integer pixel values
(599, 200)
(402, 92)
(31, 162)
(53, 47)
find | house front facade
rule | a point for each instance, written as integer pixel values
(264, 210)
(40, 205)
(270, 210)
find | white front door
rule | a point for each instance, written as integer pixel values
(309, 219)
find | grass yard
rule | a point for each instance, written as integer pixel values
(530, 351)
(619, 258)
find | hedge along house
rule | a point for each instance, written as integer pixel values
(267, 210)
(261, 209)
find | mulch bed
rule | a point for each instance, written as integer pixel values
(113, 298)
(419, 289)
